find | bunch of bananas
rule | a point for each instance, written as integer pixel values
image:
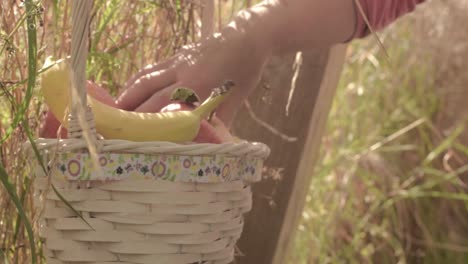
(114, 123)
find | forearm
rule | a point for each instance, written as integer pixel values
(279, 26)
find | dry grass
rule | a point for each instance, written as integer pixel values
(392, 184)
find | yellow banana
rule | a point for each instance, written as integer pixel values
(113, 123)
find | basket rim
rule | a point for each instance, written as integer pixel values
(240, 148)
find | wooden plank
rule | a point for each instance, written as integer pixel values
(310, 153)
(272, 197)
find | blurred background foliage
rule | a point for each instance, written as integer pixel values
(391, 186)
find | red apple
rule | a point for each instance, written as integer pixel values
(49, 127)
(210, 132)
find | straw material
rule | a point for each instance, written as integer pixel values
(145, 219)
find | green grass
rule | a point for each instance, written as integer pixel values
(380, 193)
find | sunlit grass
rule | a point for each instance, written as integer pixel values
(382, 192)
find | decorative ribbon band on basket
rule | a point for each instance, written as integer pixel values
(208, 163)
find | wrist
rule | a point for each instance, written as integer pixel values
(252, 28)
(282, 26)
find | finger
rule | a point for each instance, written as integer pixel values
(148, 69)
(145, 87)
(100, 94)
(157, 101)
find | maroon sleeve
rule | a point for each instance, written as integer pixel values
(380, 13)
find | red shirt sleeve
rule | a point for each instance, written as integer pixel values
(380, 13)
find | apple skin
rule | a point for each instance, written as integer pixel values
(50, 125)
(214, 131)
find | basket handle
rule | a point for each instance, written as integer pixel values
(80, 119)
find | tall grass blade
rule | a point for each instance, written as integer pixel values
(108, 15)
(34, 147)
(15, 29)
(60, 196)
(41, 163)
(462, 148)
(32, 61)
(19, 207)
(22, 198)
(446, 144)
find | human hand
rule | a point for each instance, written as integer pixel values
(240, 51)
(200, 67)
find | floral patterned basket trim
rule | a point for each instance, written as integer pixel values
(117, 166)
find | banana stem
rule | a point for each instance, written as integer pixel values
(209, 105)
(214, 100)
(185, 95)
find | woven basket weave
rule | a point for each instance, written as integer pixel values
(146, 217)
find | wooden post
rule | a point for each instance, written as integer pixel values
(280, 197)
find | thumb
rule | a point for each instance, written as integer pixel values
(157, 101)
(147, 85)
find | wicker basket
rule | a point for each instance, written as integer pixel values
(138, 202)
(151, 202)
